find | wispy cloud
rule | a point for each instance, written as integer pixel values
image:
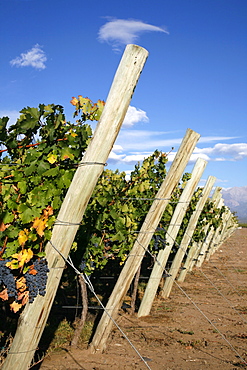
(35, 58)
(119, 32)
(135, 145)
(133, 116)
(225, 152)
(145, 140)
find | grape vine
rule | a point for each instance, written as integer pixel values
(39, 156)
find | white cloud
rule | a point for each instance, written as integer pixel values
(117, 148)
(135, 145)
(209, 139)
(145, 140)
(125, 31)
(35, 58)
(134, 115)
(223, 152)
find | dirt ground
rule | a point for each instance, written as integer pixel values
(177, 335)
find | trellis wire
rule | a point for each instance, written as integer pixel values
(198, 308)
(203, 273)
(221, 273)
(89, 284)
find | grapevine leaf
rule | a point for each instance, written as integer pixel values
(51, 172)
(22, 257)
(125, 208)
(20, 284)
(39, 224)
(66, 153)
(8, 217)
(42, 167)
(22, 185)
(23, 297)
(4, 294)
(41, 254)
(52, 158)
(15, 306)
(27, 215)
(23, 236)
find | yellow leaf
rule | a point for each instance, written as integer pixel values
(4, 295)
(24, 256)
(15, 306)
(23, 236)
(21, 284)
(13, 264)
(39, 224)
(52, 158)
(74, 101)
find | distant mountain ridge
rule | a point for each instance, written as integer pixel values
(236, 199)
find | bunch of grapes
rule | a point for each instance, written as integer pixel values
(159, 242)
(36, 284)
(7, 279)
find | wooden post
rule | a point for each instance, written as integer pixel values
(215, 237)
(187, 238)
(228, 227)
(33, 319)
(209, 233)
(221, 233)
(141, 244)
(193, 251)
(171, 234)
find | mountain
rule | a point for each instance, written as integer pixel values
(236, 199)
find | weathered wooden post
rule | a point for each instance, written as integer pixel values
(228, 228)
(200, 256)
(193, 251)
(171, 234)
(141, 244)
(33, 319)
(216, 235)
(221, 233)
(187, 238)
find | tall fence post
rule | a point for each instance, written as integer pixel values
(221, 233)
(33, 319)
(141, 244)
(171, 233)
(209, 231)
(187, 238)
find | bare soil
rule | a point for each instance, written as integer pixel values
(177, 335)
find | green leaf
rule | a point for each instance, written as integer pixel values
(51, 172)
(42, 167)
(30, 169)
(41, 254)
(27, 216)
(125, 208)
(8, 217)
(35, 113)
(113, 214)
(128, 221)
(12, 248)
(56, 202)
(22, 185)
(12, 232)
(66, 153)
(12, 204)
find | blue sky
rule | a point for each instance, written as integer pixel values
(195, 76)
